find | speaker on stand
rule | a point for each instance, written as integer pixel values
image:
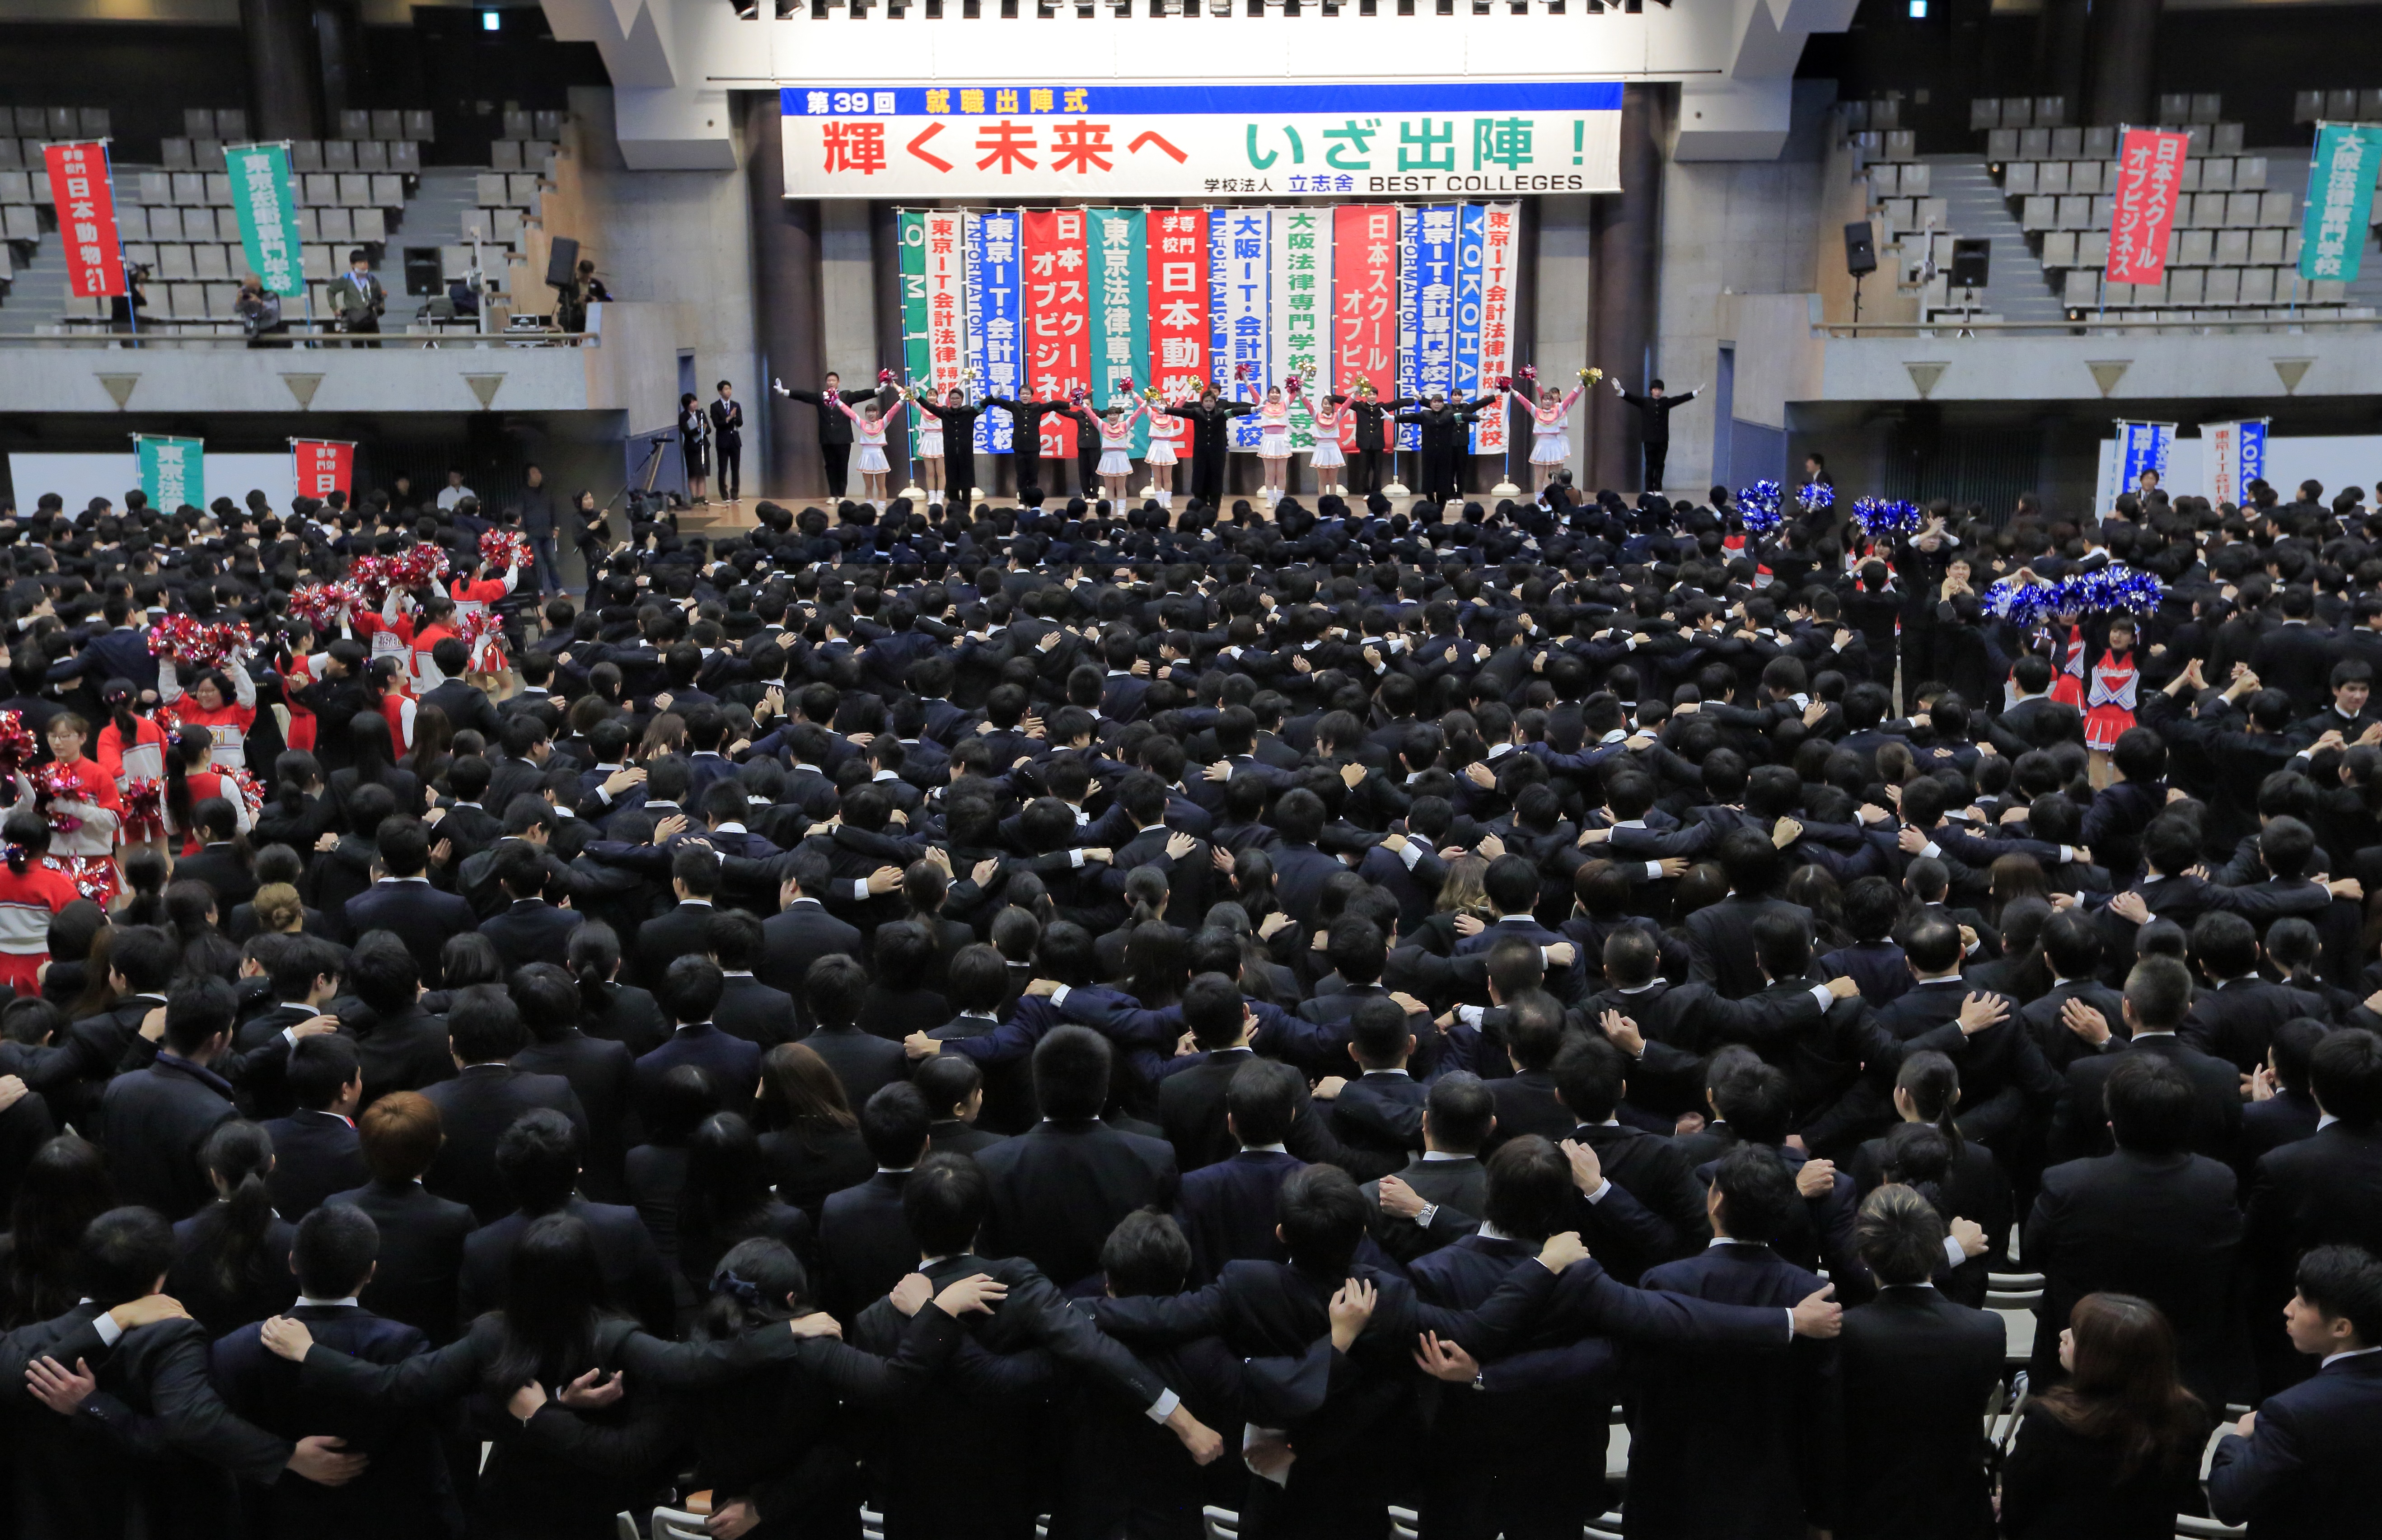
(1972, 261)
(1860, 259)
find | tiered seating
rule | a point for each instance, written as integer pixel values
(24, 189)
(2336, 106)
(2234, 247)
(1914, 233)
(182, 224)
(1988, 112)
(522, 160)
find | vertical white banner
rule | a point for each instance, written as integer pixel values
(1246, 275)
(947, 333)
(2221, 458)
(1301, 241)
(1499, 252)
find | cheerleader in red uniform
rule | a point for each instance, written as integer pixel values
(31, 895)
(478, 597)
(389, 631)
(2109, 709)
(191, 779)
(133, 754)
(83, 826)
(384, 685)
(438, 624)
(299, 668)
(221, 700)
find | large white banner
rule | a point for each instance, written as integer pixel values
(1103, 142)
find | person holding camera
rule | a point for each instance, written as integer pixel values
(357, 297)
(259, 310)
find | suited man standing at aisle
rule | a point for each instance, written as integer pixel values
(728, 441)
(1654, 431)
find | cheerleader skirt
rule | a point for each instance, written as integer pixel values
(1273, 443)
(930, 445)
(1116, 463)
(870, 462)
(1551, 449)
(1162, 452)
(1326, 455)
(2104, 725)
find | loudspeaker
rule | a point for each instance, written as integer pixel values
(562, 262)
(1860, 253)
(1972, 258)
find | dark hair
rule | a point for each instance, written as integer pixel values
(2150, 1105)
(1899, 1234)
(554, 1300)
(2344, 1282)
(2345, 1074)
(1530, 1192)
(944, 1202)
(1262, 1099)
(123, 1253)
(1461, 1111)
(726, 1185)
(759, 1282)
(63, 1188)
(1145, 1254)
(319, 1067)
(2123, 1389)
(1324, 1214)
(227, 1237)
(1933, 1082)
(1071, 1074)
(336, 1247)
(894, 1123)
(537, 1160)
(1756, 1194)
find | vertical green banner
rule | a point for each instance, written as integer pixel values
(1301, 297)
(917, 360)
(2339, 199)
(266, 199)
(171, 470)
(1117, 241)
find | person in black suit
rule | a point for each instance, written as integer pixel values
(1191, 1100)
(2303, 1463)
(2234, 1020)
(953, 1087)
(529, 930)
(2322, 1191)
(2072, 950)
(401, 899)
(1228, 1208)
(2158, 993)
(2004, 1082)
(2282, 1109)
(219, 862)
(466, 705)
(1448, 1177)
(405, 1490)
(685, 930)
(1058, 1188)
(1720, 935)
(748, 1008)
(602, 1074)
(835, 429)
(2297, 656)
(1914, 1369)
(153, 1121)
(865, 1244)
(421, 1234)
(403, 1046)
(2152, 1220)
(802, 931)
(538, 1159)
(1591, 1077)
(74, 1071)
(1445, 425)
(484, 1098)
(1527, 1103)
(315, 1152)
(123, 1378)
(728, 442)
(862, 1061)
(1210, 417)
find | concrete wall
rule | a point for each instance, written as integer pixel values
(1560, 346)
(848, 296)
(680, 238)
(1730, 229)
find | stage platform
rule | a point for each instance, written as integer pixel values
(726, 517)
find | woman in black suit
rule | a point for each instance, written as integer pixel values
(694, 448)
(1958, 1175)
(815, 1148)
(374, 764)
(726, 1200)
(232, 1260)
(2114, 1454)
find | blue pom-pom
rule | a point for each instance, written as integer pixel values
(2020, 602)
(1757, 508)
(1878, 516)
(1816, 496)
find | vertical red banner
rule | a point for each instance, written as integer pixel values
(1364, 304)
(1057, 317)
(323, 466)
(1178, 305)
(86, 206)
(2150, 168)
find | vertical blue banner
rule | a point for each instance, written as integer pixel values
(2252, 464)
(2141, 447)
(1470, 233)
(1220, 334)
(972, 306)
(1409, 300)
(1248, 293)
(994, 320)
(1435, 327)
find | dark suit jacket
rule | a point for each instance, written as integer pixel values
(1191, 1109)
(661, 941)
(466, 705)
(865, 1244)
(2163, 1227)
(422, 916)
(475, 1110)
(633, 1273)
(1228, 1209)
(2286, 1117)
(2307, 1467)
(406, 1051)
(1721, 937)
(1059, 1189)
(1915, 1370)
(2236, 1019)
(2322, 1191)
(314, 1155)
(752, 1010)
(152, 1123)
(794, 938)
(421, 1254)
(1459, 1186)
(863, 1063)
(532, 931)
(952, 1137)
(1656, 1172)
(733, 1064)
(603, 1075)
(216, 865)
(1526, 1105)
(2079, 1126)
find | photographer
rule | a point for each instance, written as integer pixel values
(357, 297)
(259, 310)
(121, 308)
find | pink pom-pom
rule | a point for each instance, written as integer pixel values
(57, 783)
(1125, 386)
(17, 744)
(419, 566)
(320, 605)
(505, 548)
(1529, 371)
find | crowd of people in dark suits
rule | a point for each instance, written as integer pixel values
(1081, 1015)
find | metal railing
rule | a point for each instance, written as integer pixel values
(78, 332)
(2097, 324)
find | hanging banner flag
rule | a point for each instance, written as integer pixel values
(1408, 435)
(910, 239)
(1301, 239)
(2234, 456)
(1499, 228)
(2141, 447)
(171, 470)
(2150, 168)
(943, 257)
(1434, 277)
(993, 319)
(1117, 241)
(2339, 201)
(323, 466)
(1013, 141)
(1058, 321)
(86, 207)
(266, 196)
(1179, 317)
(1247, 278)
(1471, 237)
(1365, 313)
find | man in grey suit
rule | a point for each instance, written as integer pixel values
(357, 297)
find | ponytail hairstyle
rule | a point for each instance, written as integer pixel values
(293, 772)
(594, 956)
(186, 753)
(120, 696)
(145, 881)
(28, 835)
(759, 1283)
(230, 1240)
(1933, 1083)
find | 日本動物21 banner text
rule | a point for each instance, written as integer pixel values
(1023, 139)
(86, 207)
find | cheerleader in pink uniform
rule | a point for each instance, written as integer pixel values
(1116, 449)
(2109, 706)
(868, 431)
(1330, 464)
(1551, 433)
(1164, 430)
(1274, 441)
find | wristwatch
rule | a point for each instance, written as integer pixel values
(1424, 1218)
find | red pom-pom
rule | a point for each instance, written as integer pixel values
(505, 548)
(370, 576)
(1125, 386)
(1240, 371)
(55, 783)
(483, 633)
(1528, 370)
(418, 566)
(321, 604)
(884, 376)
(144, 808)
(184, 639)
(1291, 385)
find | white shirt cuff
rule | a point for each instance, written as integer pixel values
(860, 888)
(1603, 1190)
(1953, 1255)
(104, 1325)
(1412, 854)
(289, 1036)
(1654, 872)
(1059, 997)
(1790, 1325)
(2067, 854)
(1470, 1015)
(1825, 995)
(1163, 1408)
(1076, 858)
(1932, 850)
(603, 796)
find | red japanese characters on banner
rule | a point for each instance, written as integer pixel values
(1496, 319)
(1058, 318)
(946, 262)
(1178, 307)
(2150, 168)
(86, 206)
(323, 466)
(1364, 305)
